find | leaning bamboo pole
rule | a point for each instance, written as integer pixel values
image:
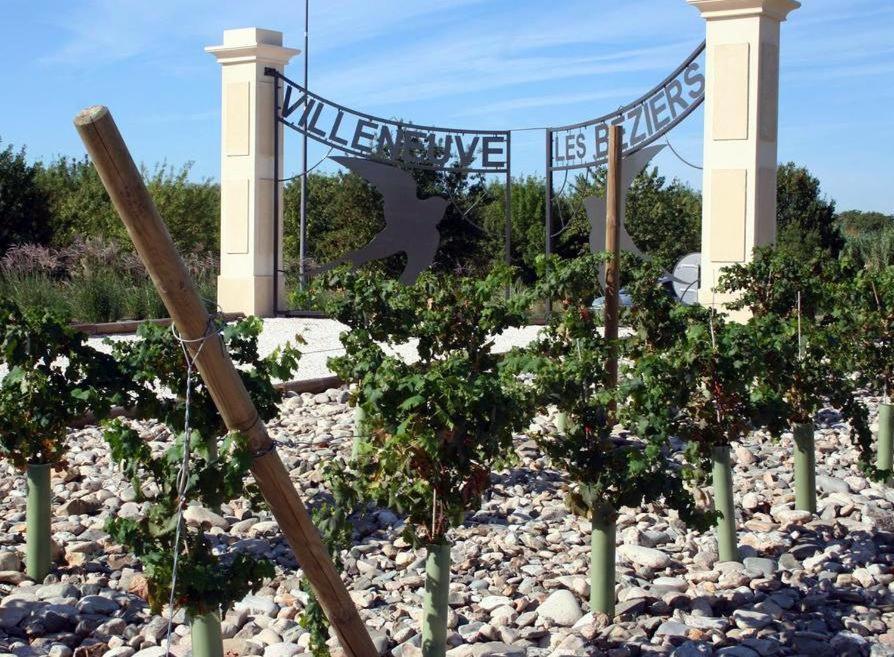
(150, 236)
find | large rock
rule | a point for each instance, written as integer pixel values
(644, 556)
(766, 567)
(258, 605)
(12, 616)
(492, 649)
(60, 590)
(693, 649)
(560, 608)
(199, 516)
(828, 484)
(283, 650)
(98, 605)
(491, 602)
(10, 561)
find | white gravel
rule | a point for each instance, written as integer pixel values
(322, 343)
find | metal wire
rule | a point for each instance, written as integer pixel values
(680, 157)
(301, 175)
(183, 474)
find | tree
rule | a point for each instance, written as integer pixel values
(81, 207)
(437, 426)
(24, 212)
(664, 220)
(567, 363)
(696, 387)
(805, 219)
(193, 469)
(528, 205)
(53, 377)
(800, 343)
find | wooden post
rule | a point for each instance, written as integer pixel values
(613, 191)
(150, 236)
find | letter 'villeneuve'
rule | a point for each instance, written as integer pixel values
(368, 136)
(644, 120)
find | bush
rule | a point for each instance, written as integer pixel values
(24, 212)
(93, 281)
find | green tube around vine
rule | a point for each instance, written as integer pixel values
(602, 560)
(885, 456)
(434, 608)
(805, 467)
(722, 483)
(206, 636)
(38, 517)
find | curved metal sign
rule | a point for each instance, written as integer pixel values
(644, 120)
(363, 135)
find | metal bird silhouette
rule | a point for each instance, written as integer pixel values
(686, 273)
(595, 207)
(411, 223)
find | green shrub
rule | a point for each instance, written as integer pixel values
(97, 297)
(37, 292)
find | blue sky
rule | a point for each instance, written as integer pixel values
(461, 63)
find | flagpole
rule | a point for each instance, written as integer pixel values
(302, 237)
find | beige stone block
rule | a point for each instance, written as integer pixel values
(252, 295)
(765, 222)
(265, 109)
(730, 89)
(768, 103)
(264, 227)
(237, 118)
(234, 212)
(729, 205)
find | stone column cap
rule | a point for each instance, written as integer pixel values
(252, 44)
(714, 9)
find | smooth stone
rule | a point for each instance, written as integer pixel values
(491, 602)
(673, 628)
(754, 620)
(258, 605)
(491, 649)
(60, 590)
(767, 567)
(283, 650)
(97, 604)
(152, 651)
(693, 649)
(561, 608)
(644, 556)
(199, 516)
(828, 484)
(12, 616)
(10, 561)
(736, 651)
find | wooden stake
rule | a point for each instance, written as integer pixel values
(150, 236)
(613, 193)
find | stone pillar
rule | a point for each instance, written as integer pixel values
(247, 177)
(741, 124)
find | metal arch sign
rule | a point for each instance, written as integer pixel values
(645, 120)
(364, 135)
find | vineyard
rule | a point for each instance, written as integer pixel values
(726, 497)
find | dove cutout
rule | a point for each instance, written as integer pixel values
(411, 223)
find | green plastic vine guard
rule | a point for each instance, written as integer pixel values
(805, 467)
(722, 483)
(885, 456)
(37, 516)
(602, 560)
(434, 608)
(207, 640)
